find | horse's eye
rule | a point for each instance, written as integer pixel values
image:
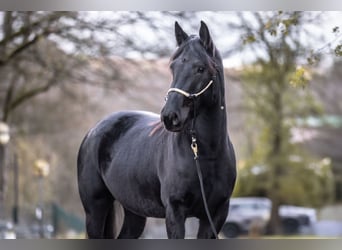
(200, 69)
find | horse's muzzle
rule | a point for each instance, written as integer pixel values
(171, 121)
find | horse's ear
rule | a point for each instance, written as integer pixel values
(206, 39)
(181, 36)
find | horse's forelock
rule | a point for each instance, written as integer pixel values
(201, 53)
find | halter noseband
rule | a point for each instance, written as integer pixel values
(187, 94)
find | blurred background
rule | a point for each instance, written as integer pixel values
(61, 72)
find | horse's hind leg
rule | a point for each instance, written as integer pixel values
(109, 232)
(98, 204)
(133, 226)
(100, 219)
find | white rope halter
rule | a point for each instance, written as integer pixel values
(187, 94)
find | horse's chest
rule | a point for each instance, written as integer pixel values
(194, 204)
(216, 191)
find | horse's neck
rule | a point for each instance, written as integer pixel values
(213, 121)
(211, 128)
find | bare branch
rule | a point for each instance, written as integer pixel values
(26, 95)
(19, 49)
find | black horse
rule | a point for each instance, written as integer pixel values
(145, 162)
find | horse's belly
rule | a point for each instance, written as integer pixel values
(137, 191)
(140, 203)
(144, 207)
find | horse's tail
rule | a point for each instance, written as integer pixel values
(103, 216)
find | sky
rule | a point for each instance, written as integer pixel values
(223, 36)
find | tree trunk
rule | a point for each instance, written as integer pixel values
(275, 156)
(2, 181)
(274, 226)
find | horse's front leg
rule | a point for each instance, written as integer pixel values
(219, 217)
(175, 219)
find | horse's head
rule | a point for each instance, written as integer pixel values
(194, 70)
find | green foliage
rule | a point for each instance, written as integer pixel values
(276, 93)
(305, 181)
(249, 39)
(275, 30)
(300, 77)
(281, 23)
(313, 58)
(338, 50)
(275, 99)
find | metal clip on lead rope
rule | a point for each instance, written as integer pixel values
(194, 147)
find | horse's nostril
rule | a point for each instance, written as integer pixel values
(174, 119)
(171, 121)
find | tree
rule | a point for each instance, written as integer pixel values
(275, 100)
(28, 66)
(43, 50)
(72, 36)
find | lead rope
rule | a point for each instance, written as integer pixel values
(194, 148)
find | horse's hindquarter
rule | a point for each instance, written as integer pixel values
(131, 174)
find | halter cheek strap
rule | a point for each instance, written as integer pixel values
(187, 94)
